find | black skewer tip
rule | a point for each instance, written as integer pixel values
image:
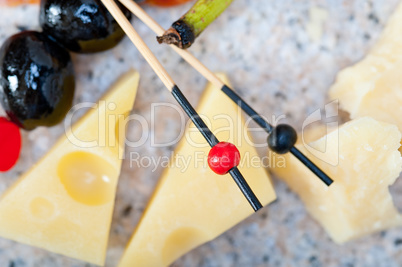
(309, 164)
(281, 139)
(245, 188)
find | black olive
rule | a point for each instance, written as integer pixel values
(83, 26)
(36, 80)
(282, 138)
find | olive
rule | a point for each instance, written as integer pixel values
(82, 26)
(282, 138)
(36, 80)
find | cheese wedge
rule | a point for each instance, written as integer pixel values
(373, 86)
(192, 205)
(358, 202)
(65, 202)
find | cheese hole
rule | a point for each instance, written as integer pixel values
(185, 237)
(87, 178)
(41, 208)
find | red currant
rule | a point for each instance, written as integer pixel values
(18, 2)
(223, 157)
(10, 144)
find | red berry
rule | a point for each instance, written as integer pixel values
(166, 3)
(223, 157)
(10, 144)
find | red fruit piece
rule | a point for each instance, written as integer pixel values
(10, 144)
(223, 157)
(18, 2)
(166, 3)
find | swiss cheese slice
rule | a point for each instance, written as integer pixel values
(193, 205)
(65, 202)
(363, 159)
(373, 86)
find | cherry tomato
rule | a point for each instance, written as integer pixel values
(18, 2)
(10, 144)
(166, 3)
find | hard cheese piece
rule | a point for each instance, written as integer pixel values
(65, 203)
(358, 202)
(373, 86)
(193, 205)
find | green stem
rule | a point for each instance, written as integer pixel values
(184, 31)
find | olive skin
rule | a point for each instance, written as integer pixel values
(282, 138)
(37, 81)
(81, 26)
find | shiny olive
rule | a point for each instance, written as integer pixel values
(282, 138)
(83, 26)
(36, 80)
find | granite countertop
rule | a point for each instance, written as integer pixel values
(281, 56)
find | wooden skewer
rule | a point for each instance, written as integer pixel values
(178, 95)
(139, 43)
(151, 23)
(210, 76)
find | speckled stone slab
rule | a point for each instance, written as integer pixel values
(281, 64)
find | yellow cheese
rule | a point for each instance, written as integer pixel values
(373, 87)
(65, 202)
(363, 159)
(192, 206)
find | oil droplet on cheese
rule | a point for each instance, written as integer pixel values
(187, 237)
(42, 208)
(87, 178)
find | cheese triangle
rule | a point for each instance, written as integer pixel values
(373, 87)
(65, 202)
(192, 205)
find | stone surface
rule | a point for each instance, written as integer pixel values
(281, 56)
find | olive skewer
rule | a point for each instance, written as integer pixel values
(281, 139)
(217, 148)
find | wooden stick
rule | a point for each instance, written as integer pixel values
(210, 76)
(151, 23)
(139, 43)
